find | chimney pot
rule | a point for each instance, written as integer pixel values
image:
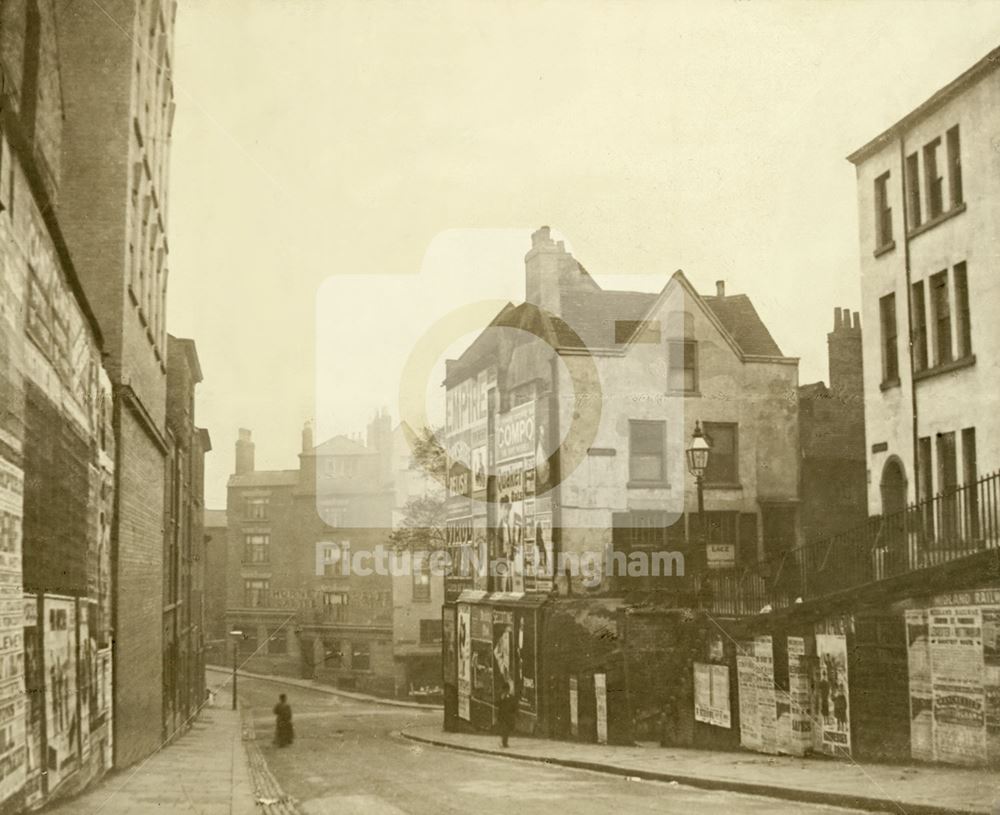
(857, 320)
(838, 318)
(720, 288)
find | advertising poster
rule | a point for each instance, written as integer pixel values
(601, 698)
(542, 543)
(746, 679)
(991, 680)
(106, 686)
(458, 540)
(464, 661)
(449, 649)
(510, 524)
(34, 682)
(482, 654)
(503, 649)
(59, 640)
(525, 662)
(574, 706)
(85, 676)
(957, 672)
(711, 694)
(833, 694)
(799, 698)
(918, 657)
(12, 633)
(767, 711)
(514, 440)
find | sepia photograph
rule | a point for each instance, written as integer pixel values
(417, 407)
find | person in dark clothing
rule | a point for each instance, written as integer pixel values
(506, 713)
(284, 733)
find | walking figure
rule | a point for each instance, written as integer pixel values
(284, 734)
(506, 713)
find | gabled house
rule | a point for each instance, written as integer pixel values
(568, 421)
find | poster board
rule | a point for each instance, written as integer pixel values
(958, 694)
(574, 706)
(464, 661)
(801, 737)
(711, 694)
(918, 658)
(601, 699)
(833, 692)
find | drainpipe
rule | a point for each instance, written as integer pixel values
(909, 316)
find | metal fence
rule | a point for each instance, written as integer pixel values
(949, 526)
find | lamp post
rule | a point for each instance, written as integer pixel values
(237, 635)
(697, 458)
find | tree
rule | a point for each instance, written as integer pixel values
(423, 523)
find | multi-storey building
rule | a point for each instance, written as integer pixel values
(928, 203)
(113, 207)
(184, 544)
(293, 534)
(567, 426)
(57, 449)
(929, 215)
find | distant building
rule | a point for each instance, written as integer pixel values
(417, 595)
(832, 431)
(117, 85)
(291, 590)
(184, 544)
(216, 531)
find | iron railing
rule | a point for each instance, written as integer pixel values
(952, 525)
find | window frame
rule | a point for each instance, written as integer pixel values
(251, 548)
(933, 180)
(686, 345)
(954, 159)
(890, 355)
(707, 428)
(963, 315)
(633, 454)
(940, 298)
(921, 358)
(883, 213)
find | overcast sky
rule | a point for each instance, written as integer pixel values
(323, 149)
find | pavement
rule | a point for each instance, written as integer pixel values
(934, 790)
(205, 771)
(311, 684)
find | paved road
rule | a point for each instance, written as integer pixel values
(347, 759)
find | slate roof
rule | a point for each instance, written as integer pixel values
(265, 478)
(342, 446)
(737, 313)
(588, 318)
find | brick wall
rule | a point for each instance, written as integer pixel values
(138, 636)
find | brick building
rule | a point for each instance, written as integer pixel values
(113, 208)
(290, 590)
(184, 544)
(832, 429)
(57, 449)
(215, 527)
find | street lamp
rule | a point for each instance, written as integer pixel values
(697, 457)
(237, 635)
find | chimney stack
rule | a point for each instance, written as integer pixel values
(844, 346)
(548, 270)
(307, 438)
(720, 288)
(244, 453)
